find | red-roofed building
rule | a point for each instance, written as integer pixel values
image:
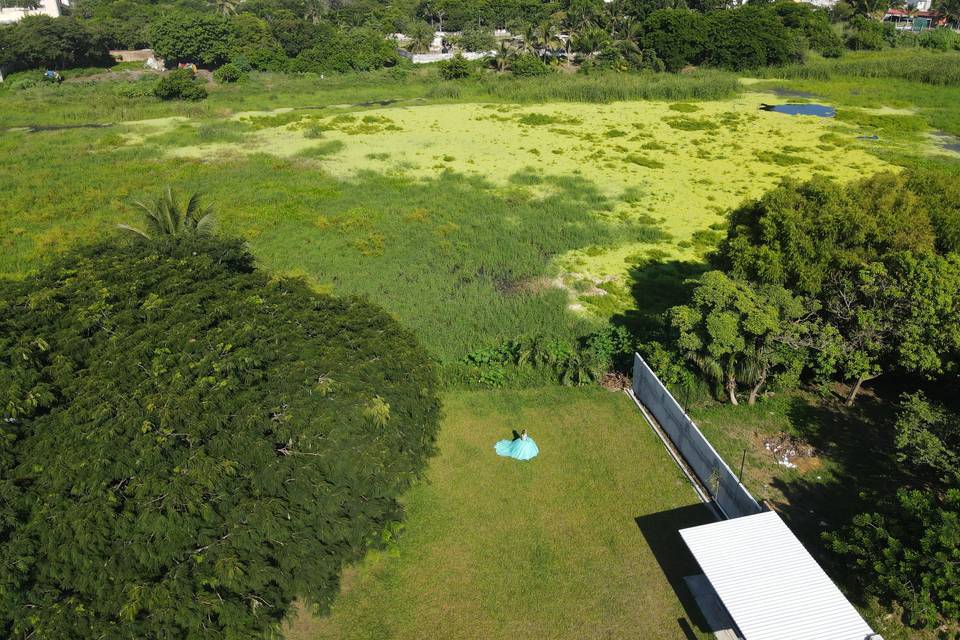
(917, 18)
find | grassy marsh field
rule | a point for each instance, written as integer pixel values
(509, 217)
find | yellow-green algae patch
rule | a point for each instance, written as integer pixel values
(678, 166)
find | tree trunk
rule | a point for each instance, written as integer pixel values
(732, 389)
(852, 396)
(756, 388)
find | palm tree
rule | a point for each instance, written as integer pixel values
(590, 42)
(626, 41)
(421, 37)
(501, 61)
(754, 370)
(544, 37)
(721, 370)
(527, 40)
(225, 7)
(166, 217)
(313, 10)
(580, 16)
(578, 370)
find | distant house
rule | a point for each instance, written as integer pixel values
(916, 18)
(52, 8)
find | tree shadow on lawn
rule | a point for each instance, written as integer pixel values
(859, 440)
(661, 531)
(657, 285)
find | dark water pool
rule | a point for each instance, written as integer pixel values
(946, 141)
(806, 109)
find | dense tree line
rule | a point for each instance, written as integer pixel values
(190, 445)
(309, 35)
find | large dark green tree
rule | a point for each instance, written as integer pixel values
(800, 234)
(42, 41)
(902, 314)
(737, 333)
(908, 550)
(184, 36)
(867, 252)
(747, 38)
(189, 445)
(677, 36)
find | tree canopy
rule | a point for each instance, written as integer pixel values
(908, 550)
(42, 41)
(737, 333)
(189, 445)
(799, 233)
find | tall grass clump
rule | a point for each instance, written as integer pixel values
(610, 87)
(916, 65)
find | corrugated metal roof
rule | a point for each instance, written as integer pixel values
(770, 584)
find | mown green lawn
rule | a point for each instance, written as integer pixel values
(568, 545)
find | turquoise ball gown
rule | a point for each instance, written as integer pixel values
(522, 448)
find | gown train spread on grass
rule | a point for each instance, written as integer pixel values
(519, 449)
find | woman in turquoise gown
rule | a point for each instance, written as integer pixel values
(522, 448)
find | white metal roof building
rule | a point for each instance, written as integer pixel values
(771, 586)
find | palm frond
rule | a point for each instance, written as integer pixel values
(134, 230)
(166, 217)
(207, 225)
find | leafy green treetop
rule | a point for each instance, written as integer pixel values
(735, 332)
(902, 314)
(189, 445)
(799, 234)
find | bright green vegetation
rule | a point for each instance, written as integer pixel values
(568, 545)
(113, 99)
(185, 436)
(500, 215)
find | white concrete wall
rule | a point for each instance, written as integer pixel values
(15, 14)
(427, 58)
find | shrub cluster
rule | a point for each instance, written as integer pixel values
(528, 65)
(179, 84)
(360, 49)
(542, 360)
(455, 68)
(230, 72)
